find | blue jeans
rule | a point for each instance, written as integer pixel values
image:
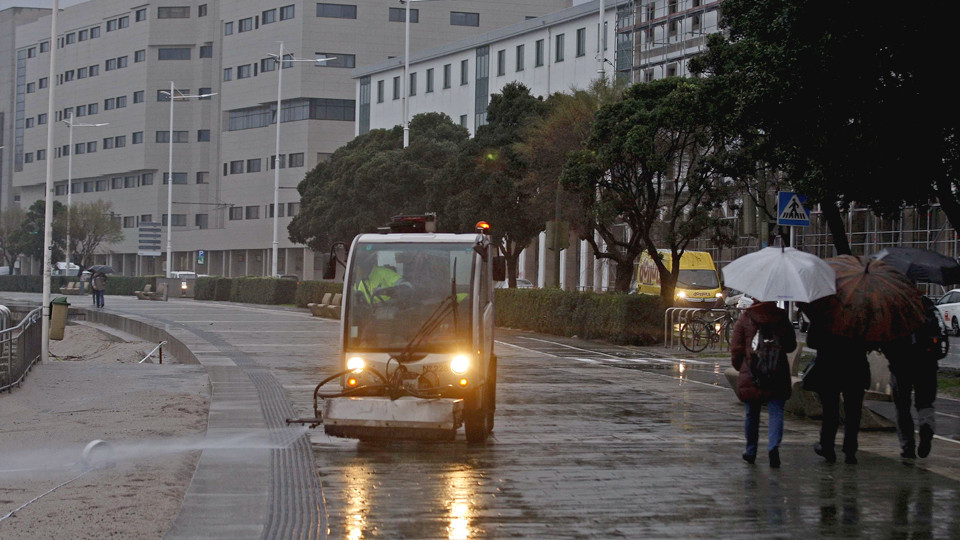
(752, 424)
(98, 298)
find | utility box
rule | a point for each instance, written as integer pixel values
(58, 316)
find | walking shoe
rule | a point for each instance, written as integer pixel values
(850, 459)
(775, 458)
(749, 458)
(908, 453)
(828, 453)
(926, 437)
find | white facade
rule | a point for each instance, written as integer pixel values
(223, 146)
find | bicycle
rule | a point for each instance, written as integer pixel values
(703, 331)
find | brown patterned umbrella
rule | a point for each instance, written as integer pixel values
(874, 301)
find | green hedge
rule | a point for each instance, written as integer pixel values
(212, 288)
(248, 290)
(30, 283)
(312, 291)
(620, 318)
(127, 285)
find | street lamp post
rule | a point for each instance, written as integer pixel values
(406, 70)
(173, 94)
(279, 60)
(69, 121)
(48, 206)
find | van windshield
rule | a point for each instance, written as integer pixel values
(697, 279)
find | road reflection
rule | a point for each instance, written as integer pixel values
(357, 504)
(460, 492)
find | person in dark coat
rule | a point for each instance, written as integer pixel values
(776, 321)
(842, 369)
(913, 373)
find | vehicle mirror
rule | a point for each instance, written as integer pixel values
(330, 272)
(499, 268)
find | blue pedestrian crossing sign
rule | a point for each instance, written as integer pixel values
(792, 210)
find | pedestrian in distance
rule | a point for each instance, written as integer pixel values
(843, 370)
(99, 285)
(762, 337)
(913, 362)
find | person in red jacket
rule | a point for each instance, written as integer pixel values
(775, 322)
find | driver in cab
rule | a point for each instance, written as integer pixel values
(377, 285)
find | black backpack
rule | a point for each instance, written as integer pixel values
(930, 341)
(766, 358)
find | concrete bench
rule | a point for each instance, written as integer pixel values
(71, 288)
(317, 308)
(145, 293)
(159, 294)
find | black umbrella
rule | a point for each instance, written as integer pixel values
(921, 265)
(101, 268)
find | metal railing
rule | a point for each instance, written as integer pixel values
(675, 318)
(20, 349)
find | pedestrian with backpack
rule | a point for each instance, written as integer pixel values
(913, 362)
(762, 337)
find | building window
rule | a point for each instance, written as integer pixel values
(252, 212)
(673, 28)
(95, 32)
(268, 16)
(71, 38)
(120, 141)
(129, 222)
(202, 10)
(95, 70)
(206, 51)
(121, 102)
(203, 135)
(59, 189)
(287, 12)
(45, 47)
(179, 220)
(206, 92)
(68, 75)
(227, 74)
(41, 83)
(137, 137)
(244, 72)
(380, 91)
(413, 84)
(337, 11)
(81, 73)
(173, 53)
(138, 96)
(178, 136)
(93, 108)
(121, 62)
(338, 60)
(41, 155)
(124, 22)
(236, 212)
(282, 160)
(296, 160)
(203, 177)
(293, 208)
(429, 80)
(139, 56)
(200, 220)
(28, 123)
(79, 148)
(101, 185)
(88, 186)
(464, 72)
(140, 15)
(268, 64)
(400, 15)
(446, 75)
(178, 178)
(111, 25)
(83, 35)
(559, 51)
(253, 165)
(236, 166)
(32, 52)
(458, 18)
(228, 28)
(109, 104)
(28, 158)
(463, 120)
(180, 12)
(32, 87)
(581, 42)
(245, 25)
(116, 182)
(396, 88)
(111, 64)
(519, 57)
(146, 179)
(91, 147)
(501, 62)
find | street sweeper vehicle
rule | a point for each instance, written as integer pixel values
(416, 358)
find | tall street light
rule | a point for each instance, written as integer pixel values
(173, 94)
(279, 60)
(69, 121)
(406, 69)
(48, 206)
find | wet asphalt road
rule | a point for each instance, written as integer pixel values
(591, 441)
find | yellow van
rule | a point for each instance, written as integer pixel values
(698, 284)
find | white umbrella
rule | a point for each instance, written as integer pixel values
(777, 273)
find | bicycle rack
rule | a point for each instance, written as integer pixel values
(678, 316)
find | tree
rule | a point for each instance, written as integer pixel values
(847, 102)
(373, 178)
(649, 166)
(487, 180)
(29, 240)
(11, 225)
(91, 226)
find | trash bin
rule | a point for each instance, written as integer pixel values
(58, 316)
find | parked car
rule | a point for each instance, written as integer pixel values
(521, 284)
(949, 308)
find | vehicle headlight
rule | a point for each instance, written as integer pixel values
(719, 295)
(682, 294)
(356, 363)
(459, 364)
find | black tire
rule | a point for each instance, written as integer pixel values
(475, 425)
(491, 404)
(696, 335)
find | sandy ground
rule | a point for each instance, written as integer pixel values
(151, 414)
